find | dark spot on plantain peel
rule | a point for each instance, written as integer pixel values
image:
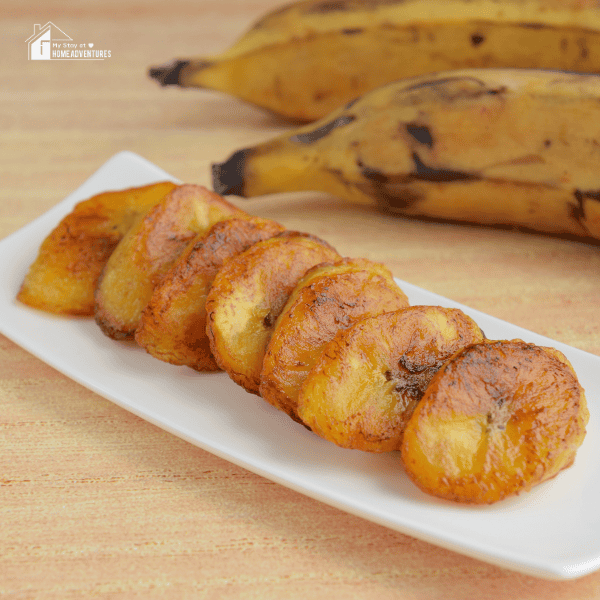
(168, 74)
(421, 133)
(372, 174)
(578, 210)
(422, 171)
(394, 192)
(228, 176)
(316, 134)
(533, 25)
(328, 6)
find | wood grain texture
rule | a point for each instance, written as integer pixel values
(95, 502)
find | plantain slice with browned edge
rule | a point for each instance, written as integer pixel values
(64, 275)
(370, 377)
(497, 419)
(147, 251)
(173, 324)
(248, 294)
(328, 298)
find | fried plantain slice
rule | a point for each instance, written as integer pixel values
(328, 298)
(63, 277)
(497, 419)
(147, 251)
(248, 294)
(369, 378)
(173, 324)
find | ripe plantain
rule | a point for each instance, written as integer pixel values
(509, 148)
(63, 277)
(328, 298)
(308, 58)
(147, 251)
(497, 419)
(173, 324)
(247, 295)
(368, 380)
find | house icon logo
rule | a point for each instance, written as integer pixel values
(40, 42)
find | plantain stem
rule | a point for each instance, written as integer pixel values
(169, 73)
(228, 177)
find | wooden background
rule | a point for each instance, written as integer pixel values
(95, 502)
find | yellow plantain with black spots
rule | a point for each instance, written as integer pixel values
(507, 147)
(308, 58)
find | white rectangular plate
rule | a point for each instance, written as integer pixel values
(552, 532)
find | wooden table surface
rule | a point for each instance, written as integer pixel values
(96, 502)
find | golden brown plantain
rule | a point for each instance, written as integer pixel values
(65, 272)
(173, 324)
(248, 294)
(497, 419)
(371, 376)
(328, 298)
(146, 252)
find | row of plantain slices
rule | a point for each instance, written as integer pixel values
(329, 340)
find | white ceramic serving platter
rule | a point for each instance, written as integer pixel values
(552, 532)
